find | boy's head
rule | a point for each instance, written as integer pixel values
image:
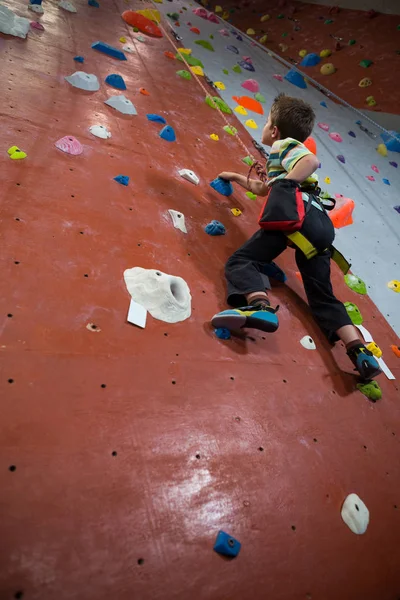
(288, 117)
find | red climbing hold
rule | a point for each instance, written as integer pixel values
(249, 103)
(169, 54)
(142, 23)
(311, 145)
(195, 30)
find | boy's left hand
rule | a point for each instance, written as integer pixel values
(228, 176)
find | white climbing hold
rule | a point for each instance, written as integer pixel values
(83, 81)
(36, 8)
(128, 48)
(355, 514)
(67, 6)
(122, 104)
(308, 342)
(100, 131)
(178, 219)
(11, 24)
(166, 297)
(189, 176)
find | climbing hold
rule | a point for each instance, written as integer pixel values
(131, 49)
(251, 123)
(374, 348)
(93, 3)
(354, 513)
(150, 13)
(251, 85)
(251, 196)
(249, 103)
(370, 100)
(189, 176)
(327, 69)
(236, 69)
(116, 81)
(225, 15)
(352, 134)
(395, 350)
(247, 161)
(250, 31)
(375, 168)
(219, 85)
(328, 22)
(281, 16)
(121, 104)
(169, 54)
(100, 131)
(185, 51)
(191, 60)
(173, 16)
(325, 53)
(370, 177)
(184, 74)
(311, 145)
(39, 27)
(278, 77)
(168, 134)
(327, 180)
(393, 164)
(308, 342)
(342, 214)
(241, 110)
(197, 71)
(201, 12)
(142, 23)
(394, 285)
(336, 137)
(79, 59)
(123, 40)
(259, 97)
(263, 39)
(226, 545)
(144, 92)
(324, 104)
(195, 30)
(264, 18)
(213, 18)
(222, 333)
(391, 140)
(205, 45)
(218, 9)
(11, 24)
(232, 49)
(365, 82)
(222, 186)
(215, 228)
(215, 102)
(156, 118)
(386, 181)
(225, 71)
(178, 220)
(341, 158)
(16, 154)
(354, 313)
(352, 42)
(323, 126)
(372, 391)
(303, 53)
(295, 78)
(37, 8)
(355, 283)
(83, 81)
(236, 212)
(283, 47)
(214, 137)
(365, 63)
(382, 150)
(310, 60)
(122, 179)
(246, 65)
(109, 50)
(68, 6)
(69, 145)
(166, 297)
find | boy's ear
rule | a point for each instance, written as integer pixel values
(275, 133)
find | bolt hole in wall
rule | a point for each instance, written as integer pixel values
(12, 468)
(18, 595)
(140, 561)
(114, 453)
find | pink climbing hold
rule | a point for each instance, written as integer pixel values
(336, 137)
(70, 145)
(201, 12)
(248, 59)
(375, 168)
(224, 32)
(36, 25)
(213, 18)
(323, 126)
(251, 85)
(278, 77)
(370, 178)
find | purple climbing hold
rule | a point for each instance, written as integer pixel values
(233, 49)
(352, 134)
(386, 181)
(246, 65)
(397, 209)
(341, 158)
(393, 164)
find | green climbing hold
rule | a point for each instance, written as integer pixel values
(232, 10)
(211, 36)
(371, 390)
(216, 102)
(247, 161)
(259, 97)
(184, 74)
(328, 22)
(251, 195)
(236, 69)
(285, 34)
(352, 42)
(231, 130)
(354, 313)
(173, 16)
(191, 60)
(281, 16)
(225, 71)
(135, 29)
(355, 283)
(365, 63)
(205, 45)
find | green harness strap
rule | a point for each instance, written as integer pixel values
(302, 243)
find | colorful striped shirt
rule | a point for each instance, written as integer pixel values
(284, 155)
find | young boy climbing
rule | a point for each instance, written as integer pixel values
(290, 123)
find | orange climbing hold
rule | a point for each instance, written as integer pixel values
(144, 92)
(169, 54)
(142, 23)
(396, 350)
(195, 30)
(342, 214)
(311, 145)
(249, 103)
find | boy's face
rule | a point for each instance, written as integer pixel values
(270, 133)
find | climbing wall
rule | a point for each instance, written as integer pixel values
(123, 450)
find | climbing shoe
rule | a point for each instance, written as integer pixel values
(258, 317)
(364, 362)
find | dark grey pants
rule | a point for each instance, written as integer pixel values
(244, 270)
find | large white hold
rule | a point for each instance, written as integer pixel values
(189, 176)
(11, 24)
(178, 219)
(66, 5)
(122, 104)
(83, 81)
(100, 131)
(166, 297)
(308, 342)
(355, 514)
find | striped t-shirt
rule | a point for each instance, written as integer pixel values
(284, 155)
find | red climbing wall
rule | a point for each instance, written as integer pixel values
(124, 451)
(377, 39)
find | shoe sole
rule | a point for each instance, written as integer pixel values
(233, 322)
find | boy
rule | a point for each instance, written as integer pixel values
(290, 122)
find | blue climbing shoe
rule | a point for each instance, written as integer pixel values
(264, 318)
(364, 362)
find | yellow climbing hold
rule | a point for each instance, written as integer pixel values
(196, 70)
(219, 85)
(241, 110)
(264, 18)
(184, 50)
(365, 82)
(150, 13)
(158, 1)
(327, 69)
(12, 150)
(250, 31)
(214, 137)
(327, 180)
(374, 348)
(236, 212)
(218, 9)
(251, 123)
(370, 100)
(226, 15)
(382, 150)
(392, 285)
(16, 154)
(263, 39)
(122, 40)
(302, 53)
(283, 47)
(325, 53)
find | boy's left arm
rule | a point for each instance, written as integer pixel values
(252, 185)
(304, 168)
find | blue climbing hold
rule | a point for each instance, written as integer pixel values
(79, 59)
(246, 65)
(223, 333)
(296, 79)
(226, 545)
(324, 104)
(109, 50)
(94, 3)
(35, 2)
(310, 60)
(116, 81)
(233, 49)
(272, 270)
(222, 186)
(167, 133)
(392, 142)
(386, 181)
(156, 118)
(122, 179)
(352, 134)
(215, 228)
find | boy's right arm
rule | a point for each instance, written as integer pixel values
(253, 185)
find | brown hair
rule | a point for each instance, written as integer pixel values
(293, 117)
